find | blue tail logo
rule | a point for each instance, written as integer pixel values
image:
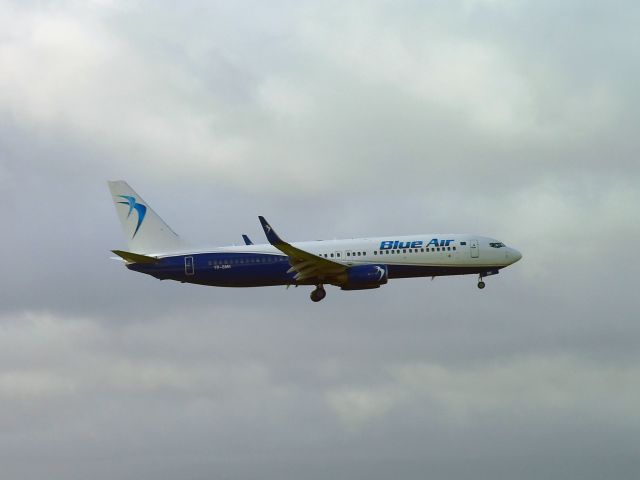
(138, 207)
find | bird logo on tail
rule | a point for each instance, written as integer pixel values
(138, 207)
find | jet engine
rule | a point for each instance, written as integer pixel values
(363, 277)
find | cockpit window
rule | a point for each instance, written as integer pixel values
(496, 244)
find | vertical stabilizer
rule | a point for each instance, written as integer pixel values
(144, 230)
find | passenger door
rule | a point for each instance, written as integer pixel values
(188, 266)
(475, 249)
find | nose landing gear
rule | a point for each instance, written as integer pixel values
(318, 294)
(481, 275)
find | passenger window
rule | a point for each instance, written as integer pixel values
(387, 252)
(454, 248)
(422, 250)
(332, 255)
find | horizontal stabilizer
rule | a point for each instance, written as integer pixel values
(135, 257)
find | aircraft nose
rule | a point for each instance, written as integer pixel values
(515, 255)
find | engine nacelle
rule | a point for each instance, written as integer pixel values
(362, 277)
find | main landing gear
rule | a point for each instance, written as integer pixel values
(481, 284)
(318, 294)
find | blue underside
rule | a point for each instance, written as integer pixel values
(261, 270)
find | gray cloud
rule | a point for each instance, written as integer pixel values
(513, 119)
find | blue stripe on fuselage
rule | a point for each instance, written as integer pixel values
(232, 269)
(223, 269)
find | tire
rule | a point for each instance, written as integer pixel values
(318, 294)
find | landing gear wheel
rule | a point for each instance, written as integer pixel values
(318, 294)
(481, 285)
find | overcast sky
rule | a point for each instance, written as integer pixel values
(514, 119)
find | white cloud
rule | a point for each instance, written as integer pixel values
(529, 386)
(357, 407)
(526, 386)
(69, 73)
(33, 385)
(348, 118)
(466, 77)
(193, 106)
(48, 355)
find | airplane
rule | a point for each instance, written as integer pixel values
(350, 264)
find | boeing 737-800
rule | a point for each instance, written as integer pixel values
(353, 264)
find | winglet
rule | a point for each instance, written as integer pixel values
(271, 234)
(135, 257)
(247, 240)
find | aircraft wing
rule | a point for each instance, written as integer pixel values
(247, 240)
(305, 264)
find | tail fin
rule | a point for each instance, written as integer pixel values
(144, 230)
